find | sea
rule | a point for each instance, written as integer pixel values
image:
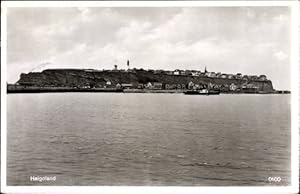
(135, 139)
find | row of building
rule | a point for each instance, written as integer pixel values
(198, 73)
(206, 73)
(191, 86)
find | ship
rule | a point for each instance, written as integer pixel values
(202, 92)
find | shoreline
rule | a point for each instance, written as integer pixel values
(59, 89)
(14, 89)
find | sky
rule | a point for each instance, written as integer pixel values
(247, 40)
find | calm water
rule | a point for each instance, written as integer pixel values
(148, 139)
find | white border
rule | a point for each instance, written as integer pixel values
(294, 188)
(295, 96)
(3, 97)
(146, 3)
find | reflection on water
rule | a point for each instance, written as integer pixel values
(148, 139)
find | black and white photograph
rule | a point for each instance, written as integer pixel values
(148, 95)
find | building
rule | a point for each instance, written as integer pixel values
(171, 86)
(183, 73)
(190, 85)
(253, 77)
(159, 71)
(211, 74)
(262, 78)
(169, 72)
(157, 85)
(118, 86)
(188, 72)
(196, 73)
(245, 78)
(232, 87)
(197, 87)
(108, 82)
(224, 76)
(140, 86)
(148, 85)
(167, 86)
(250, 88)
(230, 76)
(239, 76)
(177, 72)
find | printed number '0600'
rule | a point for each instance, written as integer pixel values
(274, 179)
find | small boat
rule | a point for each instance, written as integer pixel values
(202, 92)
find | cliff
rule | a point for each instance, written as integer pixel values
(85, 78)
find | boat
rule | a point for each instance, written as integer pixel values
(202, 92)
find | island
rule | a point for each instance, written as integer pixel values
(139, 80)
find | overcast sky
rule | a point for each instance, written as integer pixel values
(249, 40)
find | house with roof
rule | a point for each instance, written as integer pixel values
(108, 82)
(157, 85)
(211, 74)
(239, 76)
(196, 73)
(230, 76)
(177, 72)
(148, 85)
(253, 77)
(262, 77)
(245, 78)
(232, 87)
(190, 85)
(224, 76)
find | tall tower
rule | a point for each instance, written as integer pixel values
(128, 64)
(205, 70)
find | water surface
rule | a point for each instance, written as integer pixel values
(148, 139)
